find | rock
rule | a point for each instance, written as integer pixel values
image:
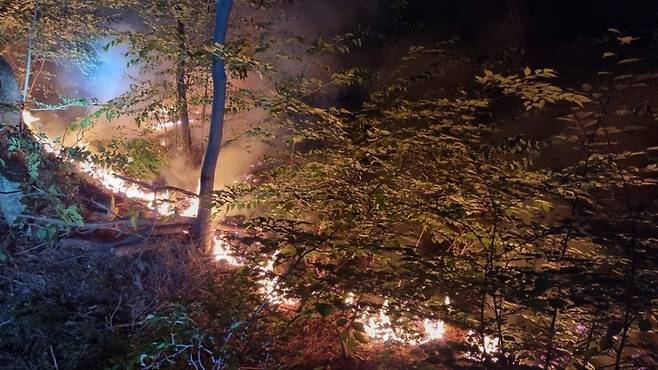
(10, 200)
(9, 96)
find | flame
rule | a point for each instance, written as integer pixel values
(270, 286)
(377, 326)
(106, 177)
(193, 208)
(434, 329)
(491, 345)
(221, 252)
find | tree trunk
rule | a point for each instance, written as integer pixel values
(28, 65)
(181, 93)
(181, 87)
(203, 223)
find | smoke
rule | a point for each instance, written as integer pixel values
(110, 76)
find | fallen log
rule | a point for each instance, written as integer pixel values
(110, 225)
(89, 246)
(122, 248)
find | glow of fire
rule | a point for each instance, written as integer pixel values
(377, 326)
(221, 252)
(490, 344)
(270, 285)
(193, 208)
(106, 177)
(161, 126)
(434, 329)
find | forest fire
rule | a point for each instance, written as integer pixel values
(108, 178)
(350, 184)
(378, 326)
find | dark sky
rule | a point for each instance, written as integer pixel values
(548, 21)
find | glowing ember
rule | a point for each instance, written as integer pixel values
(379, 327)
(434, 329)
(223, 253)
(490, 344)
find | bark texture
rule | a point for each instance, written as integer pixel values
(204, 225)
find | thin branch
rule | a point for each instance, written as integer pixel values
(157, 188)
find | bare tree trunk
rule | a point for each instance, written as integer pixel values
(181, 93)
(203, 222)
(181, 87)
(206, 82)
(28, 65)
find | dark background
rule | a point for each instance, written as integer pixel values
(548, 21)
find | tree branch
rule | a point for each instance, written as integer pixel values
(157, 188)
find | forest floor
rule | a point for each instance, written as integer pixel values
(63, 308)
(66, 305)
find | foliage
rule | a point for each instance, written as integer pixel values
(394, 202)
(215, 333)
(45, 192)
(411, 197)
(137, 158)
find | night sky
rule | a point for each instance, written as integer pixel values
(551, 21)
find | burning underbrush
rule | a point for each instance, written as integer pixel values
(117, 256)
(166, 307)
(97, 273)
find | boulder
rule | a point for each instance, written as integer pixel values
(9, 95)
(10, 200)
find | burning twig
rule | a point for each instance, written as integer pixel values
(157, 188)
